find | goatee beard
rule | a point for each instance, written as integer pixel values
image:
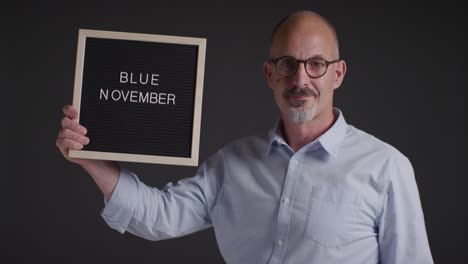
(300, 115)
(296, 111)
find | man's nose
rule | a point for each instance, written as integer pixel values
(301, 78)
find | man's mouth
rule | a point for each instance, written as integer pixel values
(299, 97)
(299, 93)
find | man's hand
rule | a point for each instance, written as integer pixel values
(72, 135)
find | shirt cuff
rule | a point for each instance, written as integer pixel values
(118, 210)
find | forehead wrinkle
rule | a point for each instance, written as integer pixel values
(296, 45)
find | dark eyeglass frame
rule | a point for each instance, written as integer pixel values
(327, 63)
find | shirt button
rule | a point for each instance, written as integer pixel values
(295, 162)
(280, 242)
(286, 200)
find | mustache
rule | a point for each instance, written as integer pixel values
(299, 91)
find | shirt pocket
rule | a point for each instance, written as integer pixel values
(331, 217)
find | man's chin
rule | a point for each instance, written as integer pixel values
(300, 114)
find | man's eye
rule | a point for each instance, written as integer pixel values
(288, 63)
(316, 63)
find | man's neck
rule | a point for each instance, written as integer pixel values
(299, 135)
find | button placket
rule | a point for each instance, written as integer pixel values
(284, 214)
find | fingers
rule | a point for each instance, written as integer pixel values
(66, 143)
(68, 122)
(70, 134)
(68, 139)
(73, 125)
(70, 111)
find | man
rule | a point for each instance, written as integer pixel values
(314, 190)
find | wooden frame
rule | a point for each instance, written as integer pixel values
(77, 96)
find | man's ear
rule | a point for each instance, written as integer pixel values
(340, 71)
(268, 73)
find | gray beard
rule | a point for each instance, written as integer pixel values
(300, 115)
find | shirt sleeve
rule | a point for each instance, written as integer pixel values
(173, 211)
(402, 231)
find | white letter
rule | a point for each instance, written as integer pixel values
(133, 97)
(146, 81)
(105, 94)
(123, 75)
(153, 98)
(162, 98)
(124, 95)
(145, 98)
(171, 97)
(154, 80)
(113, 95)
(131, 78)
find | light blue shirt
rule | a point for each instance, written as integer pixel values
(346, 197)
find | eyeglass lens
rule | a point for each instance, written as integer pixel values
(287, 66)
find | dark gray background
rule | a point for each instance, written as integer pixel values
(405, 85)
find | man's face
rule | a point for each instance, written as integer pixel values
(300, 97)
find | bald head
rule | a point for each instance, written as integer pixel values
(304, 22)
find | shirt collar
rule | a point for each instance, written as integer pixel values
(275, 136)
(330, 140)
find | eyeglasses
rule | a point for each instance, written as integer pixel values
(315, 67)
